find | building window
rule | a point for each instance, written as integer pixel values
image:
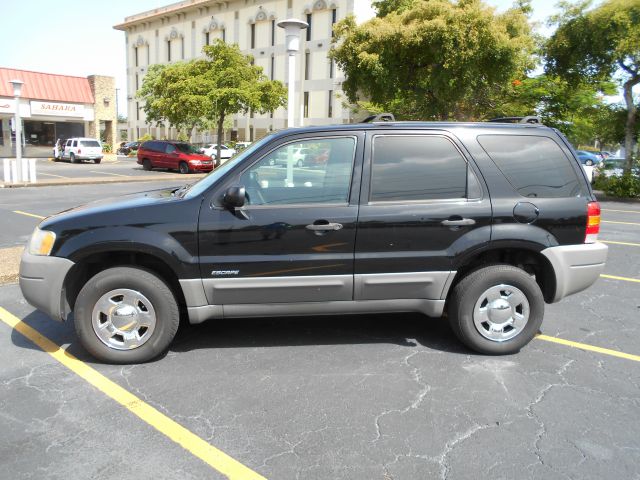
(206, 38)
(330, 105)
(182, 48)
(306, 105)
(273, 32)
(253, 35)
(168, 50)
(330, 68)
(273, 67)
(137, 82)
(309, 27)
(334, 18)
(224, 35)
(307, 65)
(135, 52)
(137, 111)
(148, 55)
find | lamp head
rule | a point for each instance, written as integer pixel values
(292, 27)
(17, 87)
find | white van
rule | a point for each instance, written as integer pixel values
(77, 149)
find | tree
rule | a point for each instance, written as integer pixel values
(433, 59)
(575, 110)
(600, 44)
(201, 93)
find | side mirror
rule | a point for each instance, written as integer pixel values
(234, 197)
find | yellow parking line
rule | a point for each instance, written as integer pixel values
(591, 348)
(620, 223)
(215, 458)
(626, 279)
(623, 211)
(109, 173)
(20, 212)
(620, 243)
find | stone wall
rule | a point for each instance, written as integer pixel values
(104, 92)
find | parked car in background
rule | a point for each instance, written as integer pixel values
(128, 147)
(173, 155)
(77, 149)
(606, 154)
(242, 145)
(614, 167)
(211, 150)
(588, 158)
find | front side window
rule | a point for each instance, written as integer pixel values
(168, 148)
(416, 167)
(187, 148)
(535, 166)
(310, 171)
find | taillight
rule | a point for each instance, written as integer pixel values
(79, 151)
(593, 222)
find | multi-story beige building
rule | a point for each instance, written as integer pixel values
(179, 31)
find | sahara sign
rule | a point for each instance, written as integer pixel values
(57, 109)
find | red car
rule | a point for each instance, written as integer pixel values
(173, 155)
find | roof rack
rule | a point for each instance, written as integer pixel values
(531, 119)
(381, 117)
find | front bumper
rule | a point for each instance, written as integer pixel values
(576, 267)
(42, 283)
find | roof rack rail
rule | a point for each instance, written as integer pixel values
(381, 117)
(531, 119)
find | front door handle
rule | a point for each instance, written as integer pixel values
(458, 222)
(323, 227)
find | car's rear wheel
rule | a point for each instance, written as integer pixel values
(146, 164)
(184, 167)
(72, 158)
(496, 309)
(97, 160)
(126, 315)
(299, 163)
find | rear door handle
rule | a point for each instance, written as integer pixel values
(322, 227)
(458, 222)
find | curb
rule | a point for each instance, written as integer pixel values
(606, 198)
(102, 180)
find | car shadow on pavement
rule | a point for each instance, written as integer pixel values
(409, 330)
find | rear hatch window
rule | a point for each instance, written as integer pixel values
(536, 166)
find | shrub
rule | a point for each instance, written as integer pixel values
(145, 138)
(625, 186)
(106, 147)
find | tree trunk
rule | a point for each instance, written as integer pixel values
(220, 128)
(630, 126)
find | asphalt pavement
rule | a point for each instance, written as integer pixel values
(340, 397)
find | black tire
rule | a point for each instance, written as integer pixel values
(469, 291)
(148, 284)
(589, 163)
(183, 167)
(72, 158)
(299, 163)
(146, 164)
(97, 160)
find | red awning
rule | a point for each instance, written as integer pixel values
(46, 86)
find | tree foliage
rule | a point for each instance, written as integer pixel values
(204, 92)
(590, 46)
(575, 110)
(433, 59)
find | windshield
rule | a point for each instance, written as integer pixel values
(186, 148)
(204, 183)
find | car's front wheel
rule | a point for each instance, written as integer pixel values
(183, 167)
(126, 315)
(146, 164)
(496, 309)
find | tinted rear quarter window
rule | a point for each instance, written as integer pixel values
(416, 167)
(89, 143)
(536, 166)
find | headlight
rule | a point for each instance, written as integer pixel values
(41, 242)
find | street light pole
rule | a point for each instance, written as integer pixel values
(292, 28)
(17, 91)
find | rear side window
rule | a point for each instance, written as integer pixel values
(535, 166)
(416, 167)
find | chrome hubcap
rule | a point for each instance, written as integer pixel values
(123, 319)
(501, 313)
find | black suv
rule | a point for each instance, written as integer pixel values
(485, 221)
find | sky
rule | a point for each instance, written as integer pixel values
(76, 37)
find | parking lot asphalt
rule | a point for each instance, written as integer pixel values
(363, 397)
